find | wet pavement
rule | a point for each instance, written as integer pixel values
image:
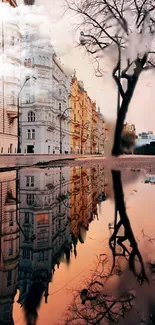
(77, 246)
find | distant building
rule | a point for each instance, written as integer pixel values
(145, 138)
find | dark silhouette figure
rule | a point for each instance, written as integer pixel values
(32, 302)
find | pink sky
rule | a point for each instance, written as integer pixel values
(103, 90)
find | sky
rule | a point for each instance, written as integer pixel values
(103, 90)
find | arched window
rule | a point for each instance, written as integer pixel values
(31, 116)
(25, 62)
(59, 107)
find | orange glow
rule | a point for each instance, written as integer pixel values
(42, 218)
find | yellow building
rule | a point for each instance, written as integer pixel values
(87, 128)
(94, 128)
(75, 116)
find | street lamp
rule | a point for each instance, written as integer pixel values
(61, 115)
(18, 111)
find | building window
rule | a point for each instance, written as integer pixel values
(9, 278)
(29, 181)
(59, 107)
(25, 62)
(30, 199)
(42, 219)
(27, 217)
(31, 116)
(26, 234)
(12, 40)
(31, 134)
(29, 63)
(43, 60)
(26, 253)
(12, 98)
(27, 98)
(11, 218)
(11, 247)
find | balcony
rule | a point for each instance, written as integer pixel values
(76, 134)
(76, 123)
(51, 127)
(76, 177)
(50, 186)
(12, 111)
(84, 139)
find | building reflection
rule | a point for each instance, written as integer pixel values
(44, 213)
(9, 243)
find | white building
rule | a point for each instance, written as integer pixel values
(145, 138)
(44, 100)
(9, 76)
(43, 214)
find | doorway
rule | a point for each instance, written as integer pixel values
(30, 149)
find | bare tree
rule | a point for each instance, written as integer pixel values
(126, 26)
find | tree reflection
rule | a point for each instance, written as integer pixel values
(131, 249)
(112, 292)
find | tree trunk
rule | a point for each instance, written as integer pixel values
(122, 114)
(132, 81)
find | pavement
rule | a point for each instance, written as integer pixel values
(131, 162)
(24, 160)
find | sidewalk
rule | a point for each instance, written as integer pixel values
(8, 161)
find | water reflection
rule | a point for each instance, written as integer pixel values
(44, 214)
(121, 291)
(9, 246)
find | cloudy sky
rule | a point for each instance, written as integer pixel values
(103, 90)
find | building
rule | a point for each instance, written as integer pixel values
(9, 243)
(9, 81)
(44, 99)
(145, 138)
(94, 127)
(87, 125)
(101, 132)
(76, 116)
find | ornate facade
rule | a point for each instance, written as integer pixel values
(44, 99)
